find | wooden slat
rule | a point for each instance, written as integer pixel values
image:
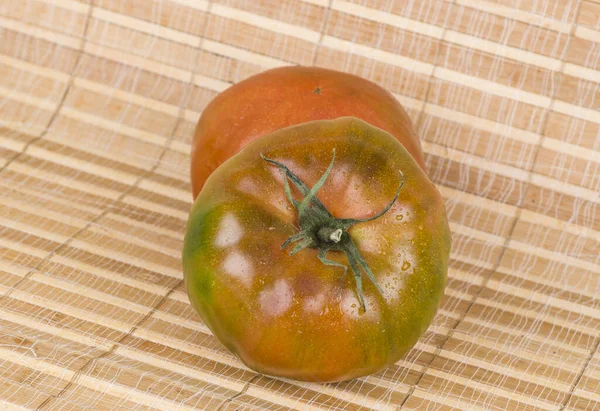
(48, 15)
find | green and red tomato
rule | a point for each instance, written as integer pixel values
(317, 247)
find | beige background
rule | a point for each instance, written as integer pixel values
(98, 100)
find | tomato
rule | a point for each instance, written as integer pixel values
(286, 96)
(365, 249)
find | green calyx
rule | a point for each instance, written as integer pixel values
(322, 231)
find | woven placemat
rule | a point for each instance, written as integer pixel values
(98, 102)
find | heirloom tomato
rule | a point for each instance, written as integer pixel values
(286, 96)
(318, 251)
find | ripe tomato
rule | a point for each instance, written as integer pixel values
(370, 246)
(286, 96)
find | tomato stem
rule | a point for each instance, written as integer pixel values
(330, 234)
(319, 229)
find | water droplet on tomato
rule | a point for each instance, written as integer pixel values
(271, 228)
(405, 266)
(399, 217)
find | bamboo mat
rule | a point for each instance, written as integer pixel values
(98, 101)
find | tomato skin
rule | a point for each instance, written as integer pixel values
(291, 316)
(287, 96)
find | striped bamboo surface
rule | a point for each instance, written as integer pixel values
(98, 101)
